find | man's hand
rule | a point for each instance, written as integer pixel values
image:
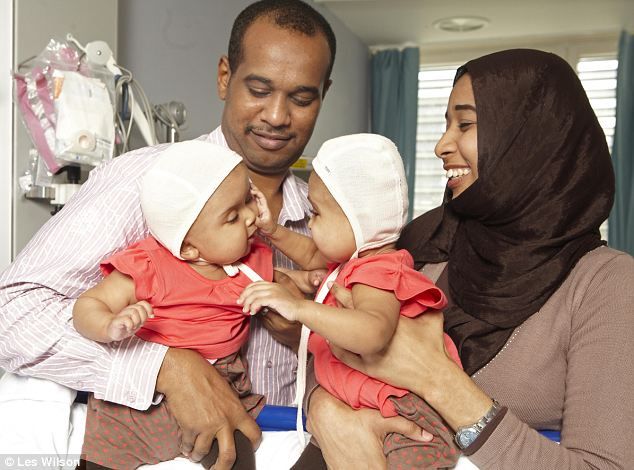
(283, 331)
(205, 407)
(354, 438)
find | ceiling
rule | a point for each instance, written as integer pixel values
(392, 22)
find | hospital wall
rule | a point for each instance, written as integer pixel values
(172, 49)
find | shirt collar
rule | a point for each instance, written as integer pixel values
(217, 137)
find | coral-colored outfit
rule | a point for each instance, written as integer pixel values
(392, 272)
(191, 312)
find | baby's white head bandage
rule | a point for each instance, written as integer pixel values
(365, 175)
(177, 186)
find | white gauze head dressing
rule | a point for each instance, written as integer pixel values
(365, 175)
(177, 186)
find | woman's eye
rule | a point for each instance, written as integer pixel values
(232, 219)
(465, 125)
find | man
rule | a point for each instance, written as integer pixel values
(273, 81)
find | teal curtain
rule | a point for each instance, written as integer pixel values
(395, 105)
(621, 221)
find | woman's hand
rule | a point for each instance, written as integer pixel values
(354, 438)
(411, 359)
(420, 340)
(342, 295)
(416, 360)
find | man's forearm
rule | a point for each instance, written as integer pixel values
(37, 339)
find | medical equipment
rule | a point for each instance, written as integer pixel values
(79, 108)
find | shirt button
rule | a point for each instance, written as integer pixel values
(269, 364)
(131, 397)
(80, 385)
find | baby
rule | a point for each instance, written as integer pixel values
(179, 288)
(359, 196)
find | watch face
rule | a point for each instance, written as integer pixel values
(466, 437)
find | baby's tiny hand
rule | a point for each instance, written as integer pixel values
(306, 281)
(129, 320)
(264, 221)
(268, 294)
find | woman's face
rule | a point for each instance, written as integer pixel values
(458, 146)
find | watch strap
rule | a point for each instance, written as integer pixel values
(476, 429)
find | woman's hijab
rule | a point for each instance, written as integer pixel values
(545, 185)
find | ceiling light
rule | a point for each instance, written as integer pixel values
(461, 24)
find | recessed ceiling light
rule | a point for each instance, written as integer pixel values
(461, 24)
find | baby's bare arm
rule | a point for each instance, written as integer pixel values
(97, 308)
(300, 248)
(365, 329)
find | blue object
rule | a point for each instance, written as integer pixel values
(552, 435)
(394, 105)
(621, 221)
(278, 418)
(282, 418)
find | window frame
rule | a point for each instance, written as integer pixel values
(570, 48)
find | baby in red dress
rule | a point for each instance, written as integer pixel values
(358, 192)
(179, 288)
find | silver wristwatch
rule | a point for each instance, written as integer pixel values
(465, 435)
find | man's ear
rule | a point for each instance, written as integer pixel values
(189, 252)
(326, 88)
(224, 76)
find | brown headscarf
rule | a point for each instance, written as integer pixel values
(545, 184)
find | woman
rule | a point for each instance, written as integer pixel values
(541, 311)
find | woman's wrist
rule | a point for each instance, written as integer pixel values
(456, 397)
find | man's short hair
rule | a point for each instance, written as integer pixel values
(293, 15)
